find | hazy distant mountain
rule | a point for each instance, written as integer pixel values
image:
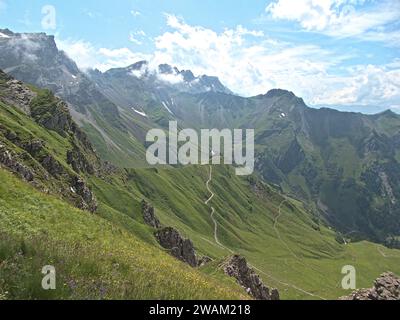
(367, 109)
(136, 85)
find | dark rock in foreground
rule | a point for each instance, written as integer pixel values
(149, 215)
(203, 261)
(87, 200)
(180, 248)
(237, 267)
(386, 287)
(10, 160)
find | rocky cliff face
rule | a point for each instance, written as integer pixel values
(170, 239)
(238, 268)
(88, 200)
(34, 58)
(180, 248)
(149, 215)
(15, 93)
(386, 287)
(11, 161)
(35, 160)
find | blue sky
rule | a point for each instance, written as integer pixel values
(331, 52)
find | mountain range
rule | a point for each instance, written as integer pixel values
(326, 187)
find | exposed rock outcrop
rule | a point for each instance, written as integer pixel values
(180, 248)
(11, 161)
(203, 261)
(237, 267)
(16, 93)
(170, 239)
(52, 166)
(386, 287)
(77, 160)
(387, 188)
(52, 113)
(33, 146)
(149, 216)
(88, 200)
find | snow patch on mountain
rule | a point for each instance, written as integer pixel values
(140, 112)
(166, 107)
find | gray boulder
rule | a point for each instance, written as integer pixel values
(10, 160)
(386, 287)
(87, 199)
(149, 215)
(180, 248)
(237, 267)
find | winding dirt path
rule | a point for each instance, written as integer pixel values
(300, 260)
(384, 254)
(231, 251)
(213, 212)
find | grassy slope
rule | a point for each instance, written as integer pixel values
(299, 257)
(93, 257)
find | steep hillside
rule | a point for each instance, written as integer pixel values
(35, 59)
(94, 259)
(284, 243)
(40, 142)
(346, 163)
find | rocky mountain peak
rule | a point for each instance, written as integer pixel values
(138, 65)
(6, 33)
(276, 93)
(387, 114)
(188, 75)
(166, 76)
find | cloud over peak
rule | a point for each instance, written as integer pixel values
(337, 18)
(251, 62)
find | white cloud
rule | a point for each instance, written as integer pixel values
(82, 52)
(139, 73)
(250, 63)
(338, 18)
(88, 56)
(25, 47)
(134, 40)
(135, 36)
(251, 67)
(365, 85)
(136, 13)
(171, 78)
(245, 66)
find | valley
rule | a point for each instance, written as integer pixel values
(324, 193)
